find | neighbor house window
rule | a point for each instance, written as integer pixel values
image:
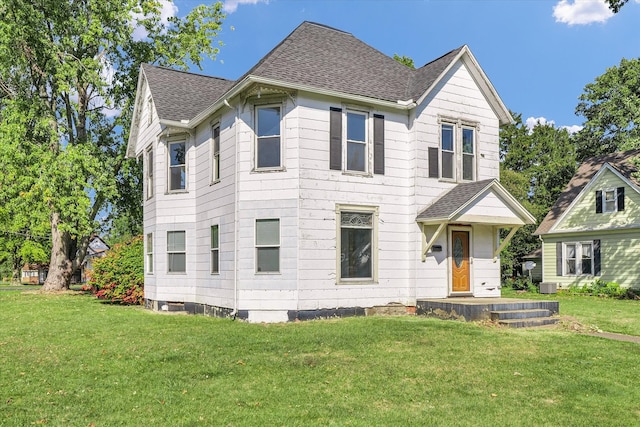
(455, 158)
(150, 166)
(177, 166)
(610, 200)
(268, 141)
(176, 251)
(267, 245)
(357, 244)
(149, 253)
(215, 250)
(215, 154)
(578, 258)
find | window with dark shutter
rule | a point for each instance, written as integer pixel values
(378, 144)
(433, 163)
(596, 257)
(598, 201)
(335, 138)
(559, 259)
(620, 196)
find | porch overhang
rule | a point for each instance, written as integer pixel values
(482, 202)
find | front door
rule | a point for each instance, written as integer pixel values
(460, 270)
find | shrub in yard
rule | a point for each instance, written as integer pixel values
(599, 288)
(521, 283)
(119, 276)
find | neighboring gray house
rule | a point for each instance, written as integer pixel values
(328, 179)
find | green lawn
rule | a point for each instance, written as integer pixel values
(71, 360)
(607, 314)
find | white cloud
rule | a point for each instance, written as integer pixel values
(167, 10)
(581, 12)
(576, 128)
(532, 122)
(230, 6)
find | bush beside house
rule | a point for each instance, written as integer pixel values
(119, 276)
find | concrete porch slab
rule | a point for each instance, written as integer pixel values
(473, 309)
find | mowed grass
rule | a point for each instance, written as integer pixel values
(71, 360)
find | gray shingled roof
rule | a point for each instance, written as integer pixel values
(312, 55)
(178, 95)
(586, 171)
(451, 201)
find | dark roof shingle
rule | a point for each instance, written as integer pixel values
(454, 199)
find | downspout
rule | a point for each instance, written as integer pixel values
(234, 313)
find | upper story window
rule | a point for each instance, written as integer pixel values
(215, 154)
(610, 200)
(351, 142)
(455, 159)
(177, 166)
(150, 165)
(149, 111)
(268, 138)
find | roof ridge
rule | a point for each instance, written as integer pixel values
(191, 73)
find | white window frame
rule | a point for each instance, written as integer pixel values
(366, 143)
(578, 259)
(150, 160)
(149, 253)
(215, 249)
(267, 246)
(215, 154)
(182, 165)
(373, 212)
(614, 202)
(258, 137)
(458, 154)
(177, 252)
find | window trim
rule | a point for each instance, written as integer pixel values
(184, 251)
(458, 127)
(215, 249)
(374, 211)
(149, 111)
(257, 137)
(149, 156)
(614, 191)
(149, 254)
(579, 258)
(184, 165)
(258, 247)
(214, 161)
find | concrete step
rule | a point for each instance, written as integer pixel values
(529, 323)
(519, 314)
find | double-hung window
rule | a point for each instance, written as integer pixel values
(149, 249)
(267, 245)
(268, 138)
(455, 158)
(177, 165)
(176, 251)
(149, 161)
(215, 154)
(357, 252)
(356, 142)
(579, 259)
(352, 148)
(610, 200)
(215, 250)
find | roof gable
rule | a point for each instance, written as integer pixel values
(584, 178)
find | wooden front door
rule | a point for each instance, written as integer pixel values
(460, 270)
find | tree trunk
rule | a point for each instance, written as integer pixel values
(61, 264)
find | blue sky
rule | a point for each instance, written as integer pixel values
(539, 54)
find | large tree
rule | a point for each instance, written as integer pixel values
(536, 165)
(616, 5)
(611, 108)
(68, 72)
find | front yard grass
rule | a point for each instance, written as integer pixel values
(71, 360)
(594, 313)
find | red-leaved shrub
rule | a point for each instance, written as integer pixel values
(119, 276)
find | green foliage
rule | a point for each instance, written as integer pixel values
(616, 5)
(68, 73)
(404, 60)
(611, 107)
(599, 288)
(536, 166)
(520, 283)
(119, 276)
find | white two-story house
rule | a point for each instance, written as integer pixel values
(327, 180)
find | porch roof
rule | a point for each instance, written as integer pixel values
(480, 202)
